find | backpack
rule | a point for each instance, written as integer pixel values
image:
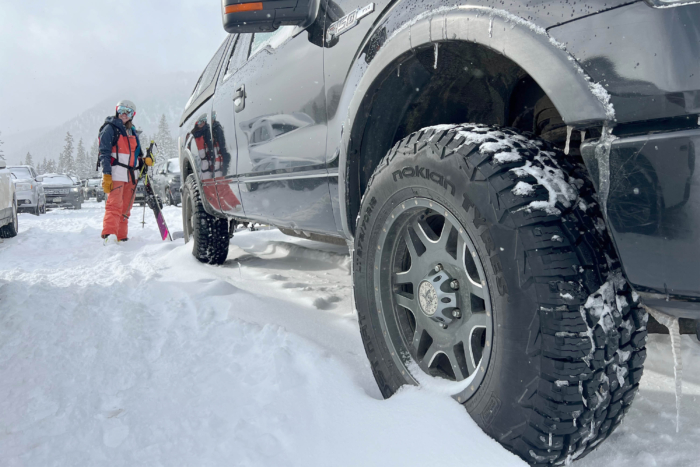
(115, 138)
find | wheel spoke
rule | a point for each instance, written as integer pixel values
(406, 277)
(461, 249)
(477, 290)
(459, 371)
(469, 358)
(429, 356)
(444, 236)
(478, 320)
(417, 335)
(405, 302)
(421, 230)
(411, 246)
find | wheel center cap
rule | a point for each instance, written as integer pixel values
(427, 297)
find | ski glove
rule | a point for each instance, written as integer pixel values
(148, 161)
(106, 183)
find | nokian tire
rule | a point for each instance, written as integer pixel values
(209, 233)
(568, 340)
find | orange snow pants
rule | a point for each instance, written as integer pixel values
(118, 209)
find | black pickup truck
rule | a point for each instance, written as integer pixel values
(512, 256)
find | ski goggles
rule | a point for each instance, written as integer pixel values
(126, 110)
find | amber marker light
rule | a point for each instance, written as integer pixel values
(243, 7)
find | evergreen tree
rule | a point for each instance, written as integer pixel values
(51, 166)
(41, 169)
(81, 163)
(92, 160)
(2, 154)
(29, 160)
(164, 140)
(66, 163)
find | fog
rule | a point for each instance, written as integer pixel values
(59, 58)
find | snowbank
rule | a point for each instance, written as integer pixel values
(137, 355)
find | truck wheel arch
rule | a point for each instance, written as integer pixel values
(188, 167)
(393, 42)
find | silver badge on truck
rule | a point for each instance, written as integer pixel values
(349, 21)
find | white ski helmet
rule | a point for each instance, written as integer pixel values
(126, 103)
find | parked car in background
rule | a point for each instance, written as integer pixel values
(29, 192)
(140, 196)
(94, 189)
(76, 182)
(166, 181)
(61, 191)
(9, 225)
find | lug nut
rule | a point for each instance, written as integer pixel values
(438, 268)
(456, 313)
(443, 325)
(454, 284)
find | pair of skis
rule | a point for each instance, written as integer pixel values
(152, 199)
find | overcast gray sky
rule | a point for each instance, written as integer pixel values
(60, 58)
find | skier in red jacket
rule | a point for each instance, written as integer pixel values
(121, 158)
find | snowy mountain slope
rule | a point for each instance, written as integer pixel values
(163, 94)
(138, 355)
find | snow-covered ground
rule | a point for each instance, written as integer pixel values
(138, 355)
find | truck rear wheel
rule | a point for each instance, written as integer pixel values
(482, 264)
(209, 233)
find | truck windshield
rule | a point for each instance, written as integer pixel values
(21, 172)
(57, 180)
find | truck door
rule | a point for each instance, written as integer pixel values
(280, 112)
(223, 127)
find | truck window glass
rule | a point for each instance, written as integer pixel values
(208, 75)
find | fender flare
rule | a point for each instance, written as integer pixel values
(579, 101)
(186, 156)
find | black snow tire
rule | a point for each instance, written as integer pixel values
(569, 334)
(10, 230)
(210, 233)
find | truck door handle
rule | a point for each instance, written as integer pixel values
(239, 99)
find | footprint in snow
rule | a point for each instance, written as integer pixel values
(115, 432)
(276, 277)
(326, 303)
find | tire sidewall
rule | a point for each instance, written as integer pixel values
(514, 311)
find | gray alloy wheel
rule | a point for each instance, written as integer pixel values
(436, 301)
(528, 354)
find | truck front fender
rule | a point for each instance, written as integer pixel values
(397, 35)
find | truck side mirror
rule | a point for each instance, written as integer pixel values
(244, 16)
